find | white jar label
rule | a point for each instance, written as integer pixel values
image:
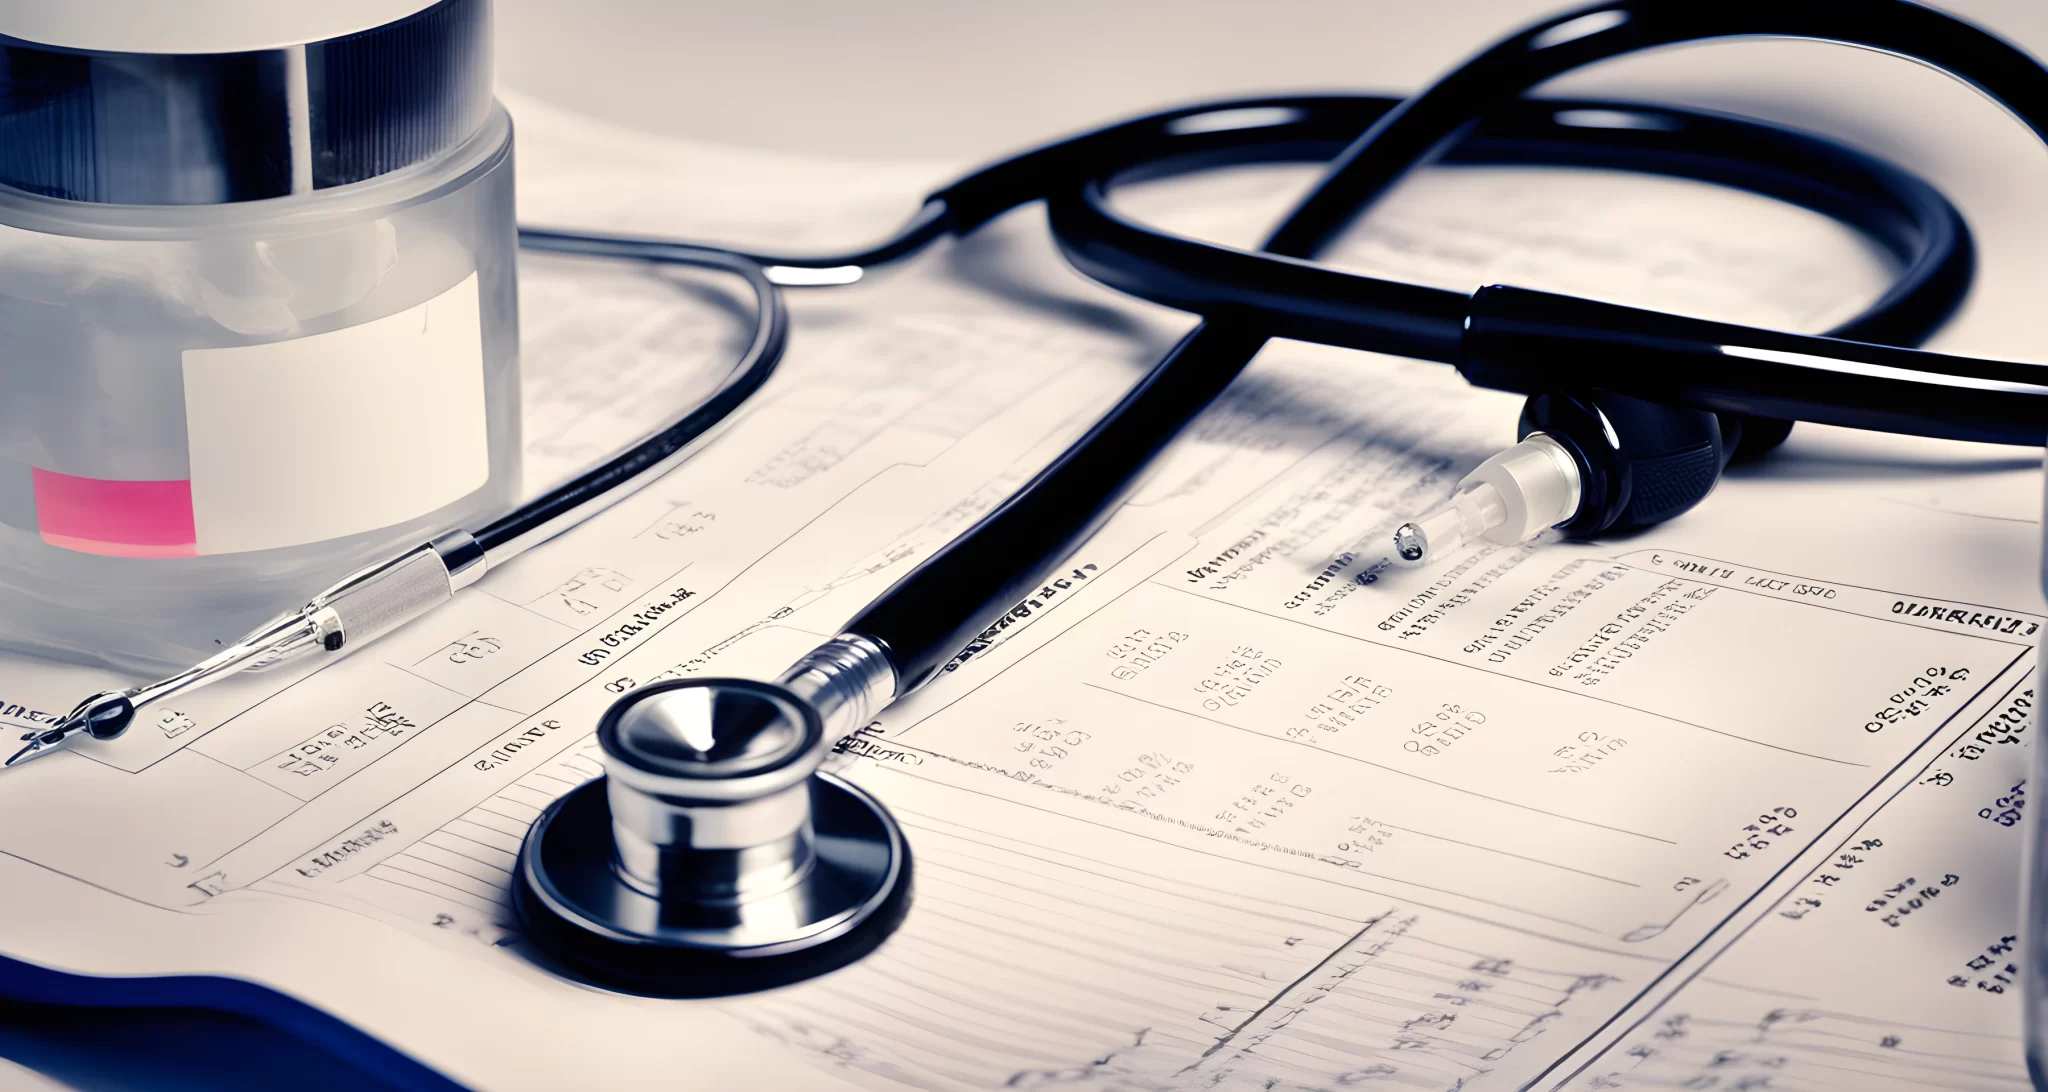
(334, 434)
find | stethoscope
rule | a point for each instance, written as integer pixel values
(715, 855)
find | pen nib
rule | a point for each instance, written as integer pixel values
(38, 742)
(103, 716)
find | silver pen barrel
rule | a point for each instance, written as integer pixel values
(361, 607)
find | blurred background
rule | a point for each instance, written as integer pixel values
(925, 78)
(922, 79)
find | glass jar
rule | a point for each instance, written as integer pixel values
(245, 352)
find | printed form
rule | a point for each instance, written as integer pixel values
(1230, 802)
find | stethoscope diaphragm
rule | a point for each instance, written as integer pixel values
(714, 857)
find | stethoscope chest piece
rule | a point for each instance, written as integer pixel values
(714, 857)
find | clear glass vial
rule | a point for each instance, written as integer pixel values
(258, 319)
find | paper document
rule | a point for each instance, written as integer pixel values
(1227, 803)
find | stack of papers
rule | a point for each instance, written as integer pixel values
(1231, 803)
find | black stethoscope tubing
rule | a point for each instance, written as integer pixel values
(1297, 298)
(1508, 338)
(565, 504)
(1521, 341)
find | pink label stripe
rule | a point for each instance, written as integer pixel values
(119, 519)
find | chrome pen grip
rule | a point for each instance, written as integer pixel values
(379, 599)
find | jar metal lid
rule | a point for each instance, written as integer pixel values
(200, 128)
(211, 26)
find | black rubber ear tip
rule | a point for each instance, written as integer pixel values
(1640, 462)
(567, 855)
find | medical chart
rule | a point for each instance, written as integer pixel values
(1228, 802)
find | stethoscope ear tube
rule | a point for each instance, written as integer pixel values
(1304, 300)
(942, 605)
(1530, 342)
(1307, 128)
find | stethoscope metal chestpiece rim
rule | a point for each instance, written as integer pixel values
(713, 857)
(711, 741)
